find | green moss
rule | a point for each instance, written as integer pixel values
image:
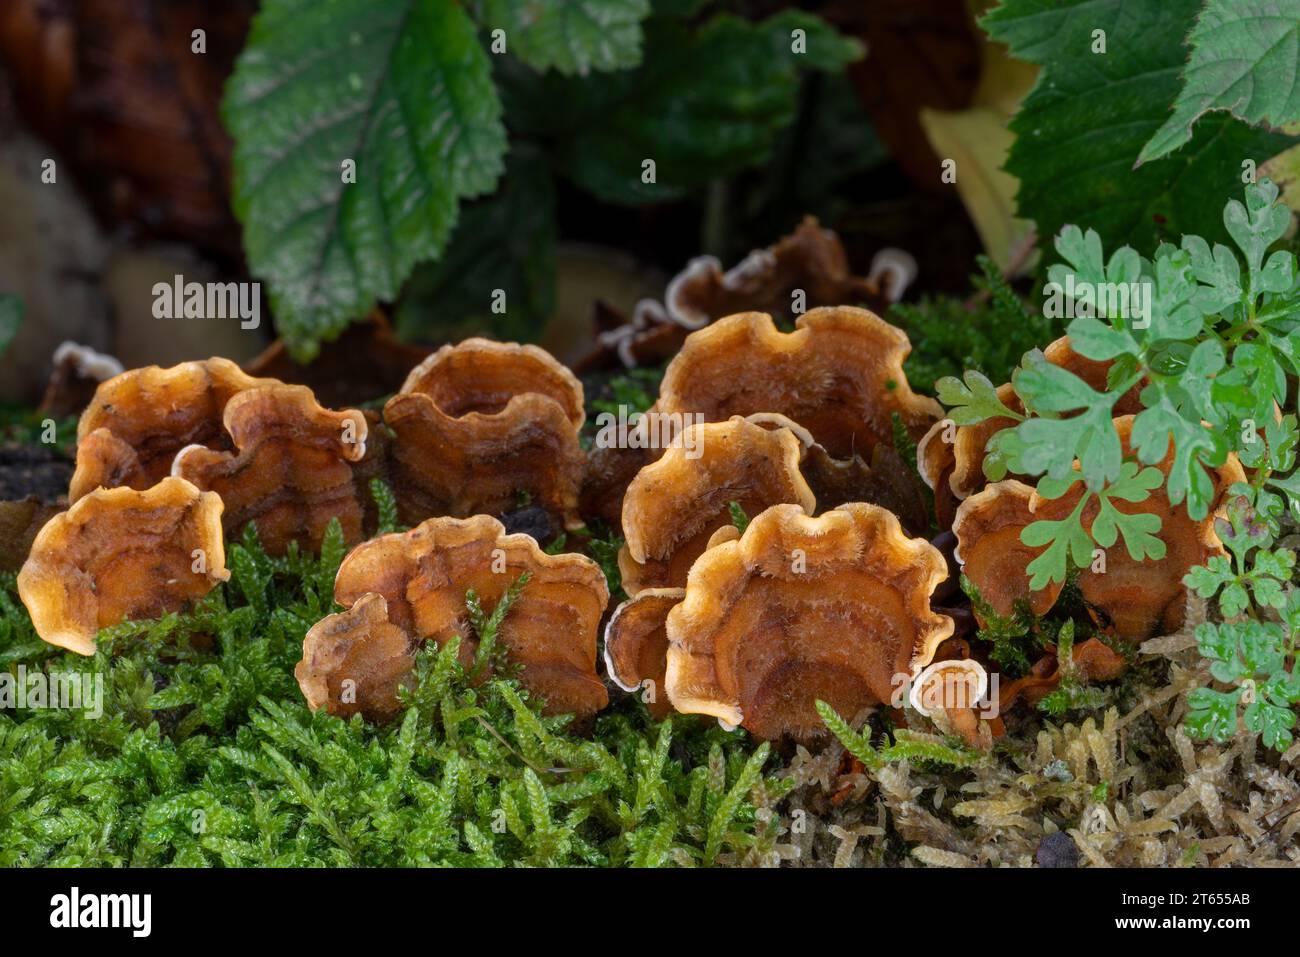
(207, 754)
(989, 331)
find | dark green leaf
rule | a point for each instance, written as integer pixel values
(1246, 60)
(400, 88)
(498, 273)
(1083, 125)
(704, 104)
(572, 36)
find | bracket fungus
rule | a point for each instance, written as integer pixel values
(798, 609)
(291, 470)
(811, 261)
(636, 646)
(120, 554)
(949, 692)
(423, 576)
(950, 457)
(839, 374)
(354, 662)
(1132, 598)
(674, 505)
(480, 422)
(139, 420)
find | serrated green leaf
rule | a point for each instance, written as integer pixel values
(403, 90)
(571, 36)
(1082, 127)
(1246, 60)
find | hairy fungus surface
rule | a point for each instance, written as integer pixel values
(1131, 598)
(478, 423)
(291, 470)
(636, 646)
(839, 374)
(950, 458)
(675, 505)
(424, 574)
(119, 554)
(799, 609)
(139, 420)
(354, 662)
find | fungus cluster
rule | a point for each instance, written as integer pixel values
(951, 458)
(838, 378)
(772, 552)
(1130, 597)
(170, 462)
(797, 609)
(401, 590)
(805, 270)
(138, 421)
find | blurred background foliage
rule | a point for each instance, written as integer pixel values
(499, 145)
